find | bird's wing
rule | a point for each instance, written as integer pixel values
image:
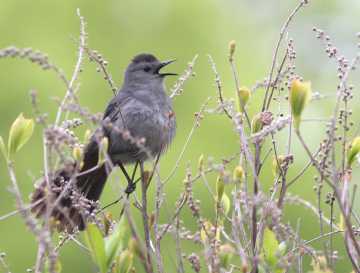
(114, 109)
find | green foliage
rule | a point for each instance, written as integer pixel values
(96, 244)
(272, 250)
(220, 187)
(226, 252)
(114, 243)
(20, 132)
(125, 262)
(3, 147)
(353, 151)
(106, 250)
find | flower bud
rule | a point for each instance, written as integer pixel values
(78, 155)
(20, 132)
(107, 221)
(256, 123)
(354, 149)
(103, 148)
(87, 136)
(232, 47)
(205, 231)
(208, 232)
(238, 174)
(220, 187)
(300, 94)
(243, 96)
(225, 203)
(201, 163)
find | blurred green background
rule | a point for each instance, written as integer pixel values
(169, 29)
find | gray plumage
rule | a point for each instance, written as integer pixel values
(142, 108)
(146, 110)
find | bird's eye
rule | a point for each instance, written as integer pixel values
(147, 68)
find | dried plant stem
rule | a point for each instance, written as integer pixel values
(237, 86)
(276, 52)
(145, 216)
(43, 238)
(134, 233)
(77, 68)
(180, 267)
(158, 203)
(198, 118)
(254, 229)
(219, 87)
(349, 229)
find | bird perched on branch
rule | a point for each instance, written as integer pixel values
(139, 124)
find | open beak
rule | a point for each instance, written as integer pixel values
(165, 63)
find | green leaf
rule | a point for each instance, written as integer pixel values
(95, 242)
(20, 132)
(353, 151)
(114, 243)
(3, 148)
(125, 261)
(270, 247)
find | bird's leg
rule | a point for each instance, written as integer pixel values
(134, 171)
(131, 183)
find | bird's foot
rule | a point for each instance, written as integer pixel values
(130, 188)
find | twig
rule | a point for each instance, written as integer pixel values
(177, 89)
(219, 87)
(145, 217)
(77, 68)
(282, 33)
(198, 117)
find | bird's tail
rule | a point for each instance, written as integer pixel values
(73, 193)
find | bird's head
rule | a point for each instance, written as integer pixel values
(145, 68)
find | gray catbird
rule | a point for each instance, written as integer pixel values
(141, 110)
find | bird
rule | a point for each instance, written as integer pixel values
(141, 110)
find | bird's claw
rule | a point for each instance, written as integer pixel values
(130, 188)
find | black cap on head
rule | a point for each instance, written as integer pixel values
(144, 58)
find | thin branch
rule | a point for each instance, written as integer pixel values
(77, 68)
(145, 216)
(282, 34)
